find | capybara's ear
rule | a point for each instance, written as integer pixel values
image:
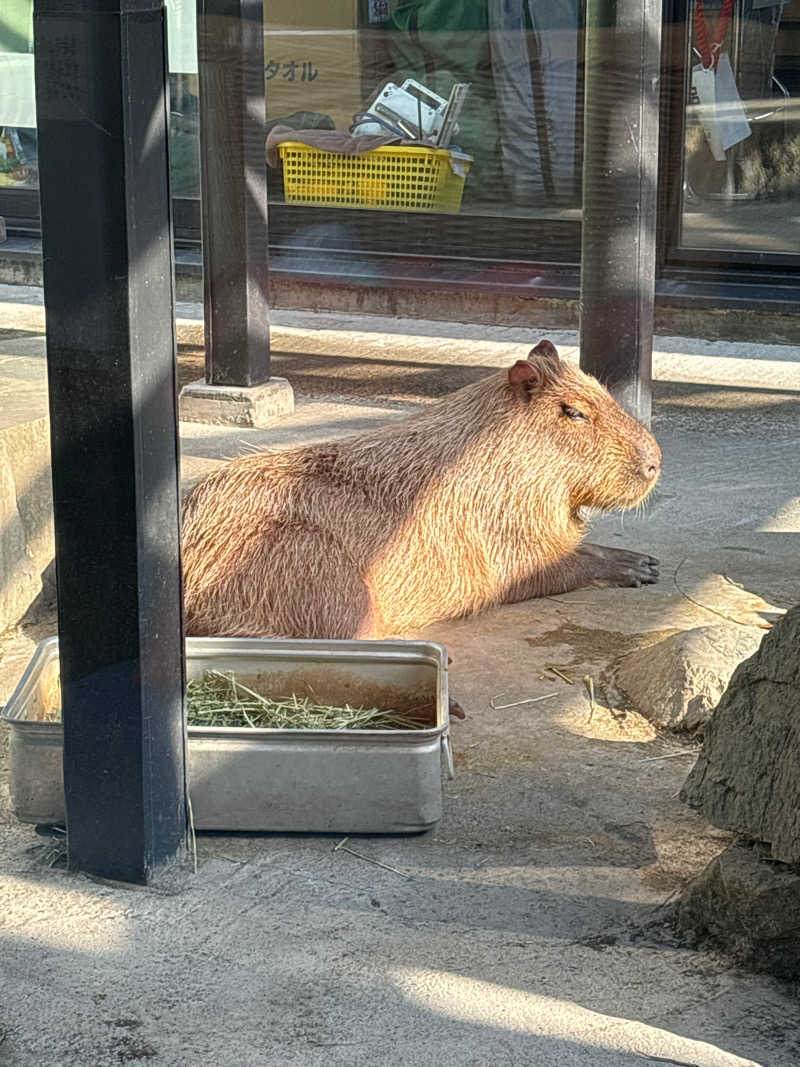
(545, 350)
(526, 375)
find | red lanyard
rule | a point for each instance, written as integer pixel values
(710, 55)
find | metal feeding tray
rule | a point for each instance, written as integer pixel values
(334, 781)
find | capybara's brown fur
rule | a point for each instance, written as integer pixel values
(474, 501)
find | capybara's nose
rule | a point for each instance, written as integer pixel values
(650, 462)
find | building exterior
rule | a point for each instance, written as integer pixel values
(728, 219)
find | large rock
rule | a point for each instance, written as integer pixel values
(750, 906)
(678, 682)
(747, 778)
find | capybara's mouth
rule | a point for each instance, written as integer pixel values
(632, 494)
(641, 489)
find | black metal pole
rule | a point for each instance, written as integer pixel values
(623, 45)
(230, 43)
(101, 96)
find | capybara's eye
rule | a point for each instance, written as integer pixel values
(573, 413)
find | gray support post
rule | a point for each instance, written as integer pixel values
(230, 57)
(101, 93)
(623, 50)
(237, 387)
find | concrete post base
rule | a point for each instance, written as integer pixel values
(234, 405)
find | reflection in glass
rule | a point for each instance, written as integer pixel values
(746, 197)
(17, 107)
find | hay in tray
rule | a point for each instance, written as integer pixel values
(220, 699)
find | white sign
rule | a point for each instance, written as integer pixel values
(719, 106)
(182, 36)
(17, 90)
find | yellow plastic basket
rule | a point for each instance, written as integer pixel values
(389, 179)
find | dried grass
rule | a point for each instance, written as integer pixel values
(218, 698)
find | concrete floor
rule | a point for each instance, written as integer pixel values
(530, 927)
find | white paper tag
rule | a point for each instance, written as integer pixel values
(719, 106)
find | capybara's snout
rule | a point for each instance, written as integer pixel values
(633, 465)
(649, 460)
(645, 466)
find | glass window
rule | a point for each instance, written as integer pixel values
(510, 189)
(17, 104)
(389, 67)
(741, 180)
(18, 155)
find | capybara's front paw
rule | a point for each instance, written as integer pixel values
(631, 568)
(618, 566)
(634, 569)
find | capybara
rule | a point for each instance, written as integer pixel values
(477, 500)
